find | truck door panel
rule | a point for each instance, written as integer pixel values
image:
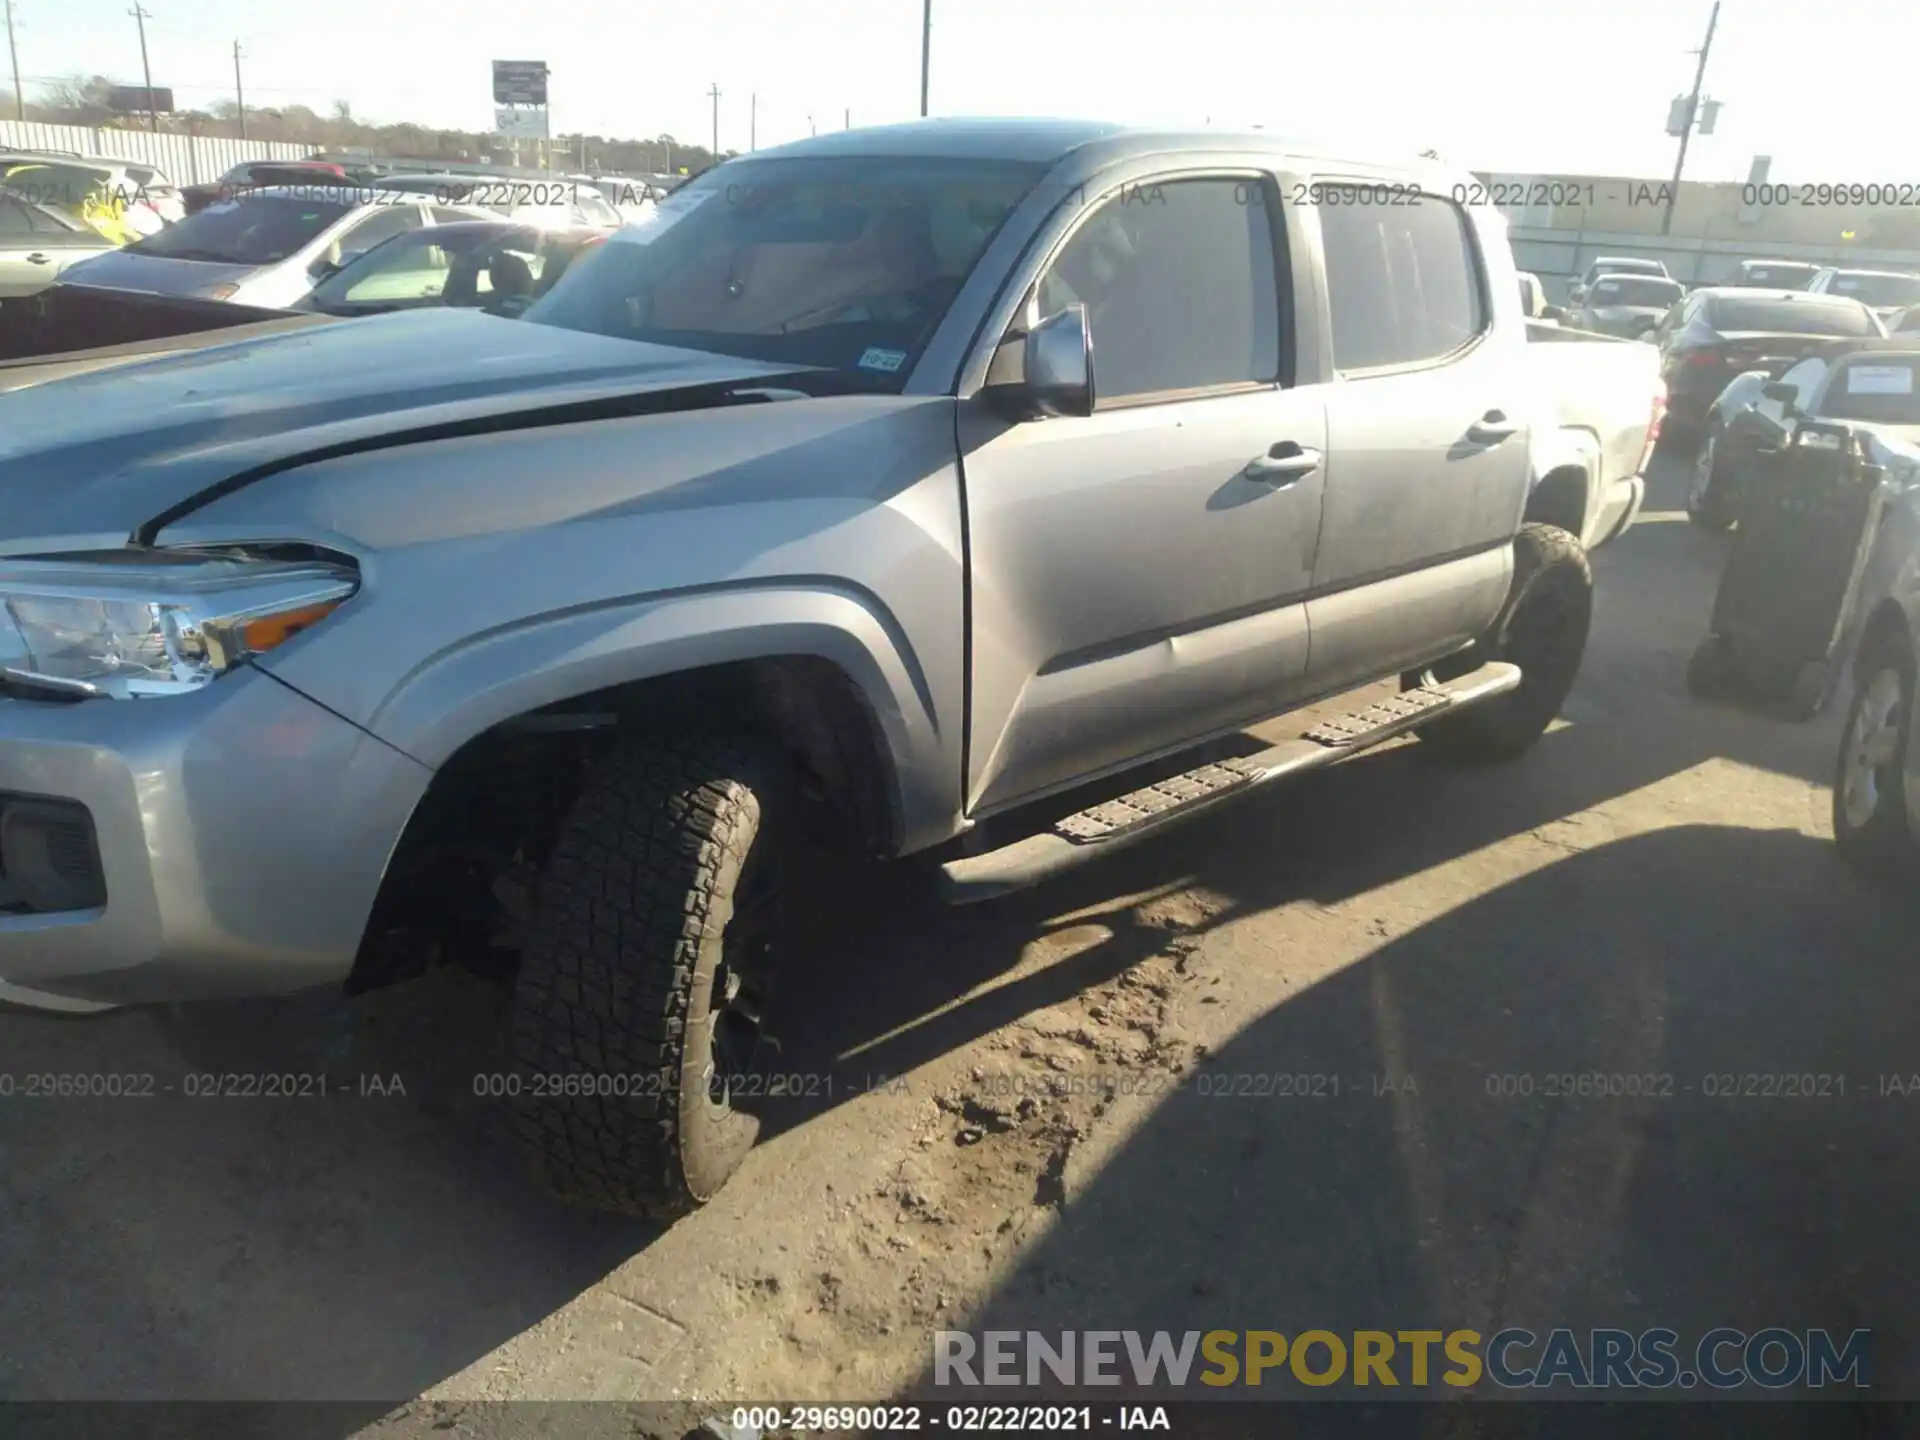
(1134, 587)
(1427, 430)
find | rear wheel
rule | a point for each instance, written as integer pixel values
(1707, 488)
(1870, 822)
(1542, 629)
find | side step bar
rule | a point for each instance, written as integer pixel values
(1099, 831)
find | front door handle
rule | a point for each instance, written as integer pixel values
(1285, 463)
(38, 259)
(1491, 428)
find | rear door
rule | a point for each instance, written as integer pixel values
(1138, 574)
(24, 267)
(1426, 434)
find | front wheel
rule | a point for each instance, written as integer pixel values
(637, 1013)
(1543, 629)
(1870, 822)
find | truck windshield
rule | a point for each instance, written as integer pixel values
(1790, 317)
(847, 263)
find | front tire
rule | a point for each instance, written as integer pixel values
(1870, 823)
(1543, 629)
(638, 1004)
(1707, 504)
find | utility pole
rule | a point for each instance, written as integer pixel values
(811, 129)
(849, 124)
(1686, 130)
(13, 53)
(926, 51)
(753, 122)
(239, 95)
(140, 15)
(715, 93)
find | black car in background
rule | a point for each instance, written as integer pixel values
(1722, 331)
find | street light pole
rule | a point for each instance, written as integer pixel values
(140, 15)
(19, 100)
(239, 95)
(753, 121)
(715, 93)
(926, 52)
(1686, 129)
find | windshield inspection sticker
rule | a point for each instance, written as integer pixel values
(878, 359)
(1880, 380)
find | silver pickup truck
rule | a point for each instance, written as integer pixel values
(906, 489)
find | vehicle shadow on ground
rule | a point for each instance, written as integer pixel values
(1681, 956)
(383, 1242)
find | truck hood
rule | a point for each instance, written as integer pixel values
(112, 450)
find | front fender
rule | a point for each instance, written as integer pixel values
(493, 677)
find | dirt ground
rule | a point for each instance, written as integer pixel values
(1061, 1110)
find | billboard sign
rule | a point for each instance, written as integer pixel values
(138, 100)
(519, 82)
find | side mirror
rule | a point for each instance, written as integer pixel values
(1057, 364)
(1779, 390)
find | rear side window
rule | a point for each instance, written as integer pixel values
(1403, 283)
(1178, 278)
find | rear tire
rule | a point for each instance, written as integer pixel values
(644, 976)
(1870, 823)
(1707, 668)
(1543, 629)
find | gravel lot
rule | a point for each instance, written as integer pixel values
(1651, 892)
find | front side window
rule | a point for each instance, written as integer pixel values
(847, 263)
(1178, 279)
(1403, 283)
(409, 268)
(383, 224)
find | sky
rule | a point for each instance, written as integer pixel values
(1516, 86)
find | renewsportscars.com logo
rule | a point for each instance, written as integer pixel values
(1721, 1359)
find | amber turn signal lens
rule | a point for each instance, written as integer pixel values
(265, 633)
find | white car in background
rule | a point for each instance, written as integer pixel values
(559, 203)
(266, 247)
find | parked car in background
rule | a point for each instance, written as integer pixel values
(102, 195)
(1612, 265)
(1773, 274)
(1876, 774)
(265, 247)
(1718, 332)
(1887, 292)
(38, 243)
(158, 190)
(1869, 382)
(257, 174)
(1626, 306)
(493, 265)
(558, 202)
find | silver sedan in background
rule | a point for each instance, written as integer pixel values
(1627, 306)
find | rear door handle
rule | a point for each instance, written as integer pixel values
(38, 259)
(1491, 428)
(1285, 463)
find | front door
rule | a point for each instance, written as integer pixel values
(1137, 576)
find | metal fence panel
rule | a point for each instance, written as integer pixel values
(186, 159)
